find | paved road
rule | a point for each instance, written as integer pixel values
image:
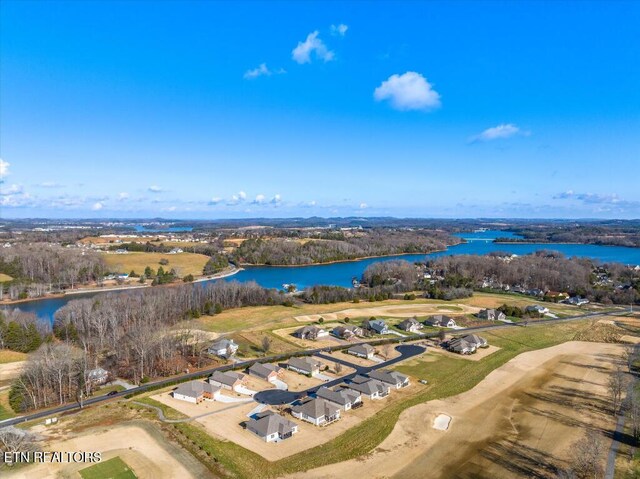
(276, 397)
(244, 364)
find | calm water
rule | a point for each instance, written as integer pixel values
(340, 274)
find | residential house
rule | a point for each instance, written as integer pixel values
(392, 378)
(223, 348)
(536, 308)
(305, 365)
(175, 251)
(377, 326)
(98, 376)
(411, 325)
(363, 350)
(310, 332)
(317, 411)
(196, 391)
(492, 315)
(368, 387)
(577, 301)
(461, 346)
(555, 296)
(535, 292)
(441, 321)
(342, 397)
(347, 331)
(227, 380)
(476, 340)
(268, 372)
(271, 426)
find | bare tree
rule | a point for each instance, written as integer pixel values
(588, 454)
(615, 386)
(14, 440)
(266, 344)
(337, 367)
(386, 350)
(633, 413)
(629, 354)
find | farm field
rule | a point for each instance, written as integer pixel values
(183, 263)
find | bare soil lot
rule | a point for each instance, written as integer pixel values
(477, 356)
(394, 310)
(138, 444)
(287, 335)
(518, 422)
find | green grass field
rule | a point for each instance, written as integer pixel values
(112, 469)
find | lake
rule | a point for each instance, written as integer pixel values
(340, 274)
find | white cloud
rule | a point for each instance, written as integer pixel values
(123, 196)
(12, 190)
(339, 30)
(363, 206)
(242, 195)
(313, 43)
(262, 70)
(505, 130)
(260, 199)
(4, 168)
(97, 206)
(276, 200)
(49, 184)
(155, 189)
(237, 199)
(215, 200)
(409, 91)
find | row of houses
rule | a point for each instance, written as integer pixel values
(327, 404)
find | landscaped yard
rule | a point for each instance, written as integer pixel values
(112, 469)
(183, 263)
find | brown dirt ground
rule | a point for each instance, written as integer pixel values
(520, 421)
(138, 444)
(395, 310)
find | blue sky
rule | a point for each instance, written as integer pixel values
(218, 110)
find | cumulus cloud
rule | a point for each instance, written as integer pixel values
(4, 168)
(97, 206)
(363, 206)
(155, 189)
(262, 70)
(308, 204)
(123, 196)
(237, 199)
(260, 199)
(505, 130)
(313, 44)
(409, 91)
(214, 201)
(339, 30)
(276, 200)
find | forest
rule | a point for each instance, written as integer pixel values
(338, 246)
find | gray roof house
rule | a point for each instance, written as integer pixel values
(318, 412)
(370, 388)
(271, 426)
(536, 308)
(376, 325)
(441, 321)
(310, 332)
(347, 331)
(226, 380)
(342, 397)
(223, 348)
(196, 392)
(479, 341)
(266, 371)
(411, 325)
(362, 350)
(461, 346)
(393, 378)
(304, 365)
(491, 315)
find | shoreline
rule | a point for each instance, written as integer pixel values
(262, 265)
(566, 243)
(222, 274)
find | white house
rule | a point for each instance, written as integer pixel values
(223, 348)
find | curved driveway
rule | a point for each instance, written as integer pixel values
(277, 397)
